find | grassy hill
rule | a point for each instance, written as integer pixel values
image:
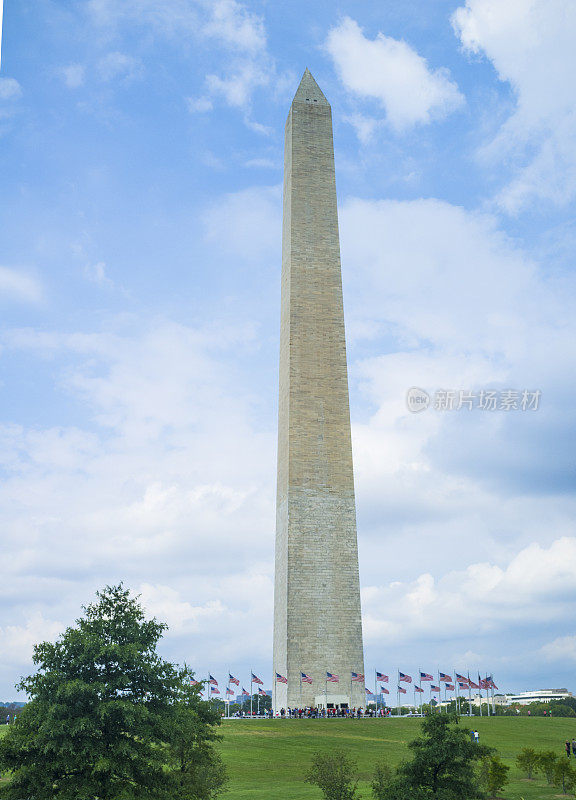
(267, 759)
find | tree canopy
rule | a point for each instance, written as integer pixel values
(107, 715)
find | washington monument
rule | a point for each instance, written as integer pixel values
(317, 621)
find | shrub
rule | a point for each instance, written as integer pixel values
(335, 774)
(527, 761)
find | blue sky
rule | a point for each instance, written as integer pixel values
(141, 152)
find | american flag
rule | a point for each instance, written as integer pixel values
(232, 679)
(367, 690)
(245, 693)
(257, 680)
(418, 689)
(281, 678)
(473, 685)
(401, 690)
(229, 691)
(445, 678)
(381, 677)
(462, 678)
(490, 682)
(383, 690)
(356, 676)
(305, 678)
(425, 677)
(194, 683)
(262, 692)
(212, 680)
(434, 688)
(462, 685)
(483, 684)
(330, 678)
(214, 690)
(406, 678)
(449, 687)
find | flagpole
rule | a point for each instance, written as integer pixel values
(251, 691)
(456, 693)
(300, 688)
(326, 694)
(350, 687)
(480, 692)
(376, 691)
(469, 696)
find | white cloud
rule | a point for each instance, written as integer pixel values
(393, 73)
(17, 285)
(120, 67)
(97, 274)
(531, 45)
(561, 649)
(73, 75)
(199, 104)
(9, 89)
(252, 219)
(537, 587)
(239, 32)
(17, 641)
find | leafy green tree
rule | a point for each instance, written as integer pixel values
(381, 781)
(527, 761)
(493, 774)
(564, 776)
(335, 774)
(105, 712)
(443, 765)
(195, 767)
(547, 760)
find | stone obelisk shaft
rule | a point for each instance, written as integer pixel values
(317, 621)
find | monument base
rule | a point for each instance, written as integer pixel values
(332, 701)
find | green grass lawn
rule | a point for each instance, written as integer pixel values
(267, 759)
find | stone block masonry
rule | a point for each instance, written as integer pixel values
(317, 619)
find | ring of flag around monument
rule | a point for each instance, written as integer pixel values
(356, 676)
(406, 678)
(232, 679)
(330, 678)
(257, 680)
(212, 680)
(281, 678)
(445, 678)
(402, 690)
(424, 676)
(305, 678)
(381, 677)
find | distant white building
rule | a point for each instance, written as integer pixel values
(537, 696)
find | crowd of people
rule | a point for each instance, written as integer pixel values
(340, 711)
(311, 712)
